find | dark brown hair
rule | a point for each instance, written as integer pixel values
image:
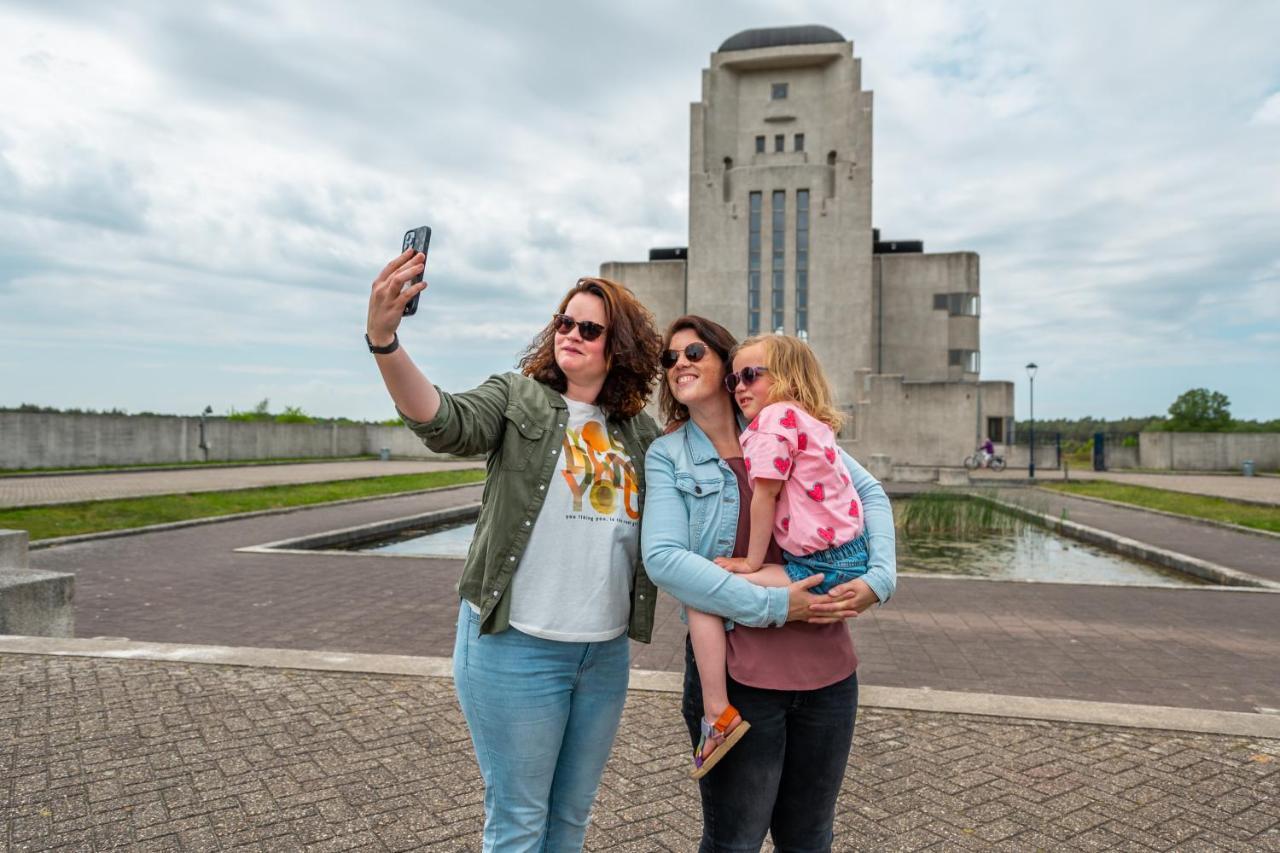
(631, 349)
(716, 337)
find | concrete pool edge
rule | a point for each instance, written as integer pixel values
(923, 699)
(1133, 548)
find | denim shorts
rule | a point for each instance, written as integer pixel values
(837, 565)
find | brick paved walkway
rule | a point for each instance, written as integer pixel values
(33, 491)
(1263, 489)
(1194, 647)
(99, 755)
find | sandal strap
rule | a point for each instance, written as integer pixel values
(722, 722)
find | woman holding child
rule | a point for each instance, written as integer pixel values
(772, 738)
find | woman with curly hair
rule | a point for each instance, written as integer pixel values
(553, 584)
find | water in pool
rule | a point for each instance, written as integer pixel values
(1030, 553)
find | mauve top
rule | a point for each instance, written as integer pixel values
(796, 656)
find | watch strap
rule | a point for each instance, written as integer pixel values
(388, 349)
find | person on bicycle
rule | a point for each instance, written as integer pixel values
(988, 451)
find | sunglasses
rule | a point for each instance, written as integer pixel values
(746, 376)
(693, 352)
(564, 325)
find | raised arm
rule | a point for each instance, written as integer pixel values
(466, 424)
(413, 393)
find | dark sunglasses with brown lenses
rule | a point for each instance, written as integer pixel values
(747, 376)
(693, 352)
(564, 325)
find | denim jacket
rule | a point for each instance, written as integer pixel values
(691, 517)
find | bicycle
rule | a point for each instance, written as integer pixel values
(975, 460)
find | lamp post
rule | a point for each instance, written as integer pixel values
(1031, 374)
(204, 444)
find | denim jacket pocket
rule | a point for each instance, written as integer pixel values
(701, 496)
(521, 434)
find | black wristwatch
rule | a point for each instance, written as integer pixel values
(388, 349)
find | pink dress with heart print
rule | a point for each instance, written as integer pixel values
(818, 508)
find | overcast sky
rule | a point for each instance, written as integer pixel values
(194, 197)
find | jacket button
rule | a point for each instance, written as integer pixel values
(697, 490)
(511, 559)
(495, 593)
(526, 522)
(642, 596)
(542, 488)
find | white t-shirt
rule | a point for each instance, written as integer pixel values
(573, 583)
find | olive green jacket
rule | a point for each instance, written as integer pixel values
(519, 423)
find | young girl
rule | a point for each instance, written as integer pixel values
(801, 495)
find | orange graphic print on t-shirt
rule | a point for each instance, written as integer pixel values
(598, 468)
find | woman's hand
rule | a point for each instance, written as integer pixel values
(845, 601)
(802, 603)
(386, 301)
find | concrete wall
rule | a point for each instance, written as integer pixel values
(1208, 451)
(37, 440)
(1019, 457)
(33, 603)
(923, 423)
(911, 336)
(658, 284)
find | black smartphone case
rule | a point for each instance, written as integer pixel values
(419, 239)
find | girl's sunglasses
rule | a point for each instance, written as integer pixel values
(694, 352)
(564, 325)
(746, 376)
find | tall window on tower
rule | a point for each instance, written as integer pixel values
(802, 263)
(753, 264)
(779, 233)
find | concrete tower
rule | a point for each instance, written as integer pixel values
(781, 240)
(780, 194)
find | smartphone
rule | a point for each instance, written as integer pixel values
(418, 239)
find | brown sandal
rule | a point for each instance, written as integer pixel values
(722, 736)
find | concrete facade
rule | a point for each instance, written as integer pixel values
(921, 423)
(914, 335)
(57, 440)
(781, 240)
(1208, 451)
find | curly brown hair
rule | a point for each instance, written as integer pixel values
(717, 338)
(631, 349)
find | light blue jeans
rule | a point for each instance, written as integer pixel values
(543, 716)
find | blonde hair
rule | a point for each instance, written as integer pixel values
(797, 375)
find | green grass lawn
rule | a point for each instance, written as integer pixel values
(45, 522)
(1214, 509)
(169, 465)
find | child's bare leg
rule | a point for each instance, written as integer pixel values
(770, 574)
(710, 648)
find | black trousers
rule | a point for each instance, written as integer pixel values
(784, 776)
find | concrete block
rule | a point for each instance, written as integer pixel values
(881, 466)
(13, 549)
(953, 477)
(37, 604)
(915, 474)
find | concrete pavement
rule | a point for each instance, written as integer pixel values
(109, 754)
(71, 488)
(99, 754)
(1190, 647)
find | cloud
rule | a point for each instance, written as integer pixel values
(214, 187)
